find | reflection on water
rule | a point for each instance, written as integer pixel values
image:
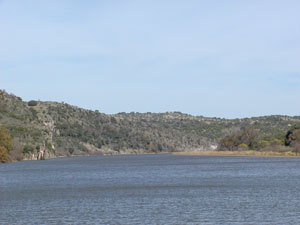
(151, 189)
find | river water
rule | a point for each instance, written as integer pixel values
(151, 189)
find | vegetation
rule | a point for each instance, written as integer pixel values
(5, 144)
(63, 130)
(248, 138)
(245, 138)
(28, 149)
(292, 138)
(32, 103)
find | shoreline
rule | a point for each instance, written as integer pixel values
(90, 155)
(238, 153)
(190, 153)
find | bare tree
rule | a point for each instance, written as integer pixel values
(296, 146)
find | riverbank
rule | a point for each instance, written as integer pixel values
(239, 153)
(191, 153)
(90, 155)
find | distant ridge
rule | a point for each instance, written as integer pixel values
(58, 129)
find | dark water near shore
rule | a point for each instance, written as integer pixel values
(151, 189)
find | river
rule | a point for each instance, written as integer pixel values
(151, 189)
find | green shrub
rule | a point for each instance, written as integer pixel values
(243, 146)
(48, 145)
(28, 149)
(262, 144)
(32, 103)
(3, 109)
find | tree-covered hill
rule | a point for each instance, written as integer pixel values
(50, 129)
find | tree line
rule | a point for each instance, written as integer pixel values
(248, 138)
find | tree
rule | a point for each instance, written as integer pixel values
(293, 135)
(5, 144)
(248, 136)
(241, 139)
(228, 143)
(292, 138)
(32, 103)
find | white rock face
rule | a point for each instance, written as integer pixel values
(41, 155)
(213, 147)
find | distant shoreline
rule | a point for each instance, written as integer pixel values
(192, 153)
(239, 153)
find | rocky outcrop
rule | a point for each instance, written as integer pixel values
(39, 155)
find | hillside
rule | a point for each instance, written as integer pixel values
(58, 129)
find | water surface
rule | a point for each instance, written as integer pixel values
(151, 189)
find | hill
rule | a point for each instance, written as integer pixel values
(51, 129)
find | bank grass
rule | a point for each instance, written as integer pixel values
(240, 153)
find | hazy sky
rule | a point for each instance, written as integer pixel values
(213, 58)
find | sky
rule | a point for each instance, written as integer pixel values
(228, 59)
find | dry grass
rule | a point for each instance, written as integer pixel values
(240, 153)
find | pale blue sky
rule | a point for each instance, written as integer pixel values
(213, 58)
